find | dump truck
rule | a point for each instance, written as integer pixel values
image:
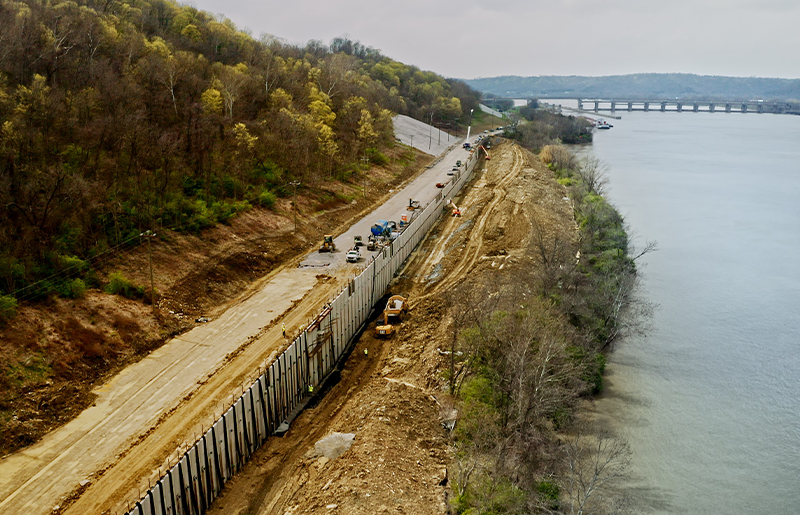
(395, 307)
(327, 244)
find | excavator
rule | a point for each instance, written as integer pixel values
(454, 207)
(395, 307)
(486, 152)
(327, 244)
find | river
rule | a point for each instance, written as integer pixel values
(709, 400)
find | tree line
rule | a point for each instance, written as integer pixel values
(118, 116)
(529, 346)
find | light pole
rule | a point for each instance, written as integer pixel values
(365, 160)
(469, 126)
(295, 184)
(149, 236)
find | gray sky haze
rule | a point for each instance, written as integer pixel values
(470, 39)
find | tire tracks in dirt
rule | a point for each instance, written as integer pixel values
(471, 252)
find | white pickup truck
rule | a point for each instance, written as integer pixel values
(353, 255)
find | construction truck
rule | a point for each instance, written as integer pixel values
(358, 242)
(372, 242)
(381, 228)
(327, 244)
(395, 307)
(455, 210)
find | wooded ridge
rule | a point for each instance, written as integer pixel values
(126, 115)
(641, 85)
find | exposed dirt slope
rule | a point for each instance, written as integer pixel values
(393, 396)
(53, 353)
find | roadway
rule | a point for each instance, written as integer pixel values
(144, 416)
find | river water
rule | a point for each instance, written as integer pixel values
(709, 400)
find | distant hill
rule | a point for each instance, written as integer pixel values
(643, 85)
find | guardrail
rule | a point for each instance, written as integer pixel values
(277, 396)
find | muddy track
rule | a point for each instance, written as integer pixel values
(472, 251)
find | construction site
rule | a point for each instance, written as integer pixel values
(388, 398)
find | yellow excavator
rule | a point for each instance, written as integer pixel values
(395, 307)
(327, 244)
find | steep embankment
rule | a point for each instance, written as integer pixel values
(392, 394)
(56, 351)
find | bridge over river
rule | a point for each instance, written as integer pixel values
(679, 105)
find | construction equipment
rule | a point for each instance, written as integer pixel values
(487, 153)
(413, 204)
(395, 307)
(381, 228)
(456, 211)
(372, 242)
(358, 242)
(385, 330)
(327, 244)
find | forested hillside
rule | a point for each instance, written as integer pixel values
(642, 85)
(122, 116)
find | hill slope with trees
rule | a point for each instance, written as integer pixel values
(122, 116)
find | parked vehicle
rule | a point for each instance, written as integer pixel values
(353, 255)
(380, 228)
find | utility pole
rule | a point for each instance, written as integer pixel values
(365, 160)
(295, 184)
(149, 236)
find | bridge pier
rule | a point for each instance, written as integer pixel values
(646, 106)
(580, 105)
(744, 107)
(613, 106)
(680, 107)
(727, 108)
(630, 106)
(596, 105)
(711, 107)
(696, 107)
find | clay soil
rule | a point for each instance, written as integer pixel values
(54, 352)
(392, 393)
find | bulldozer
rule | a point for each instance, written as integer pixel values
(327, 244)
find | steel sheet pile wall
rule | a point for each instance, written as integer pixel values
(189, 487)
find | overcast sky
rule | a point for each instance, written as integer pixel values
(469, 39)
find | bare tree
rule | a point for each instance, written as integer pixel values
(593, 172)
(594, 462)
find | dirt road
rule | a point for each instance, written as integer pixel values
(144, 416)
(393, 396)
